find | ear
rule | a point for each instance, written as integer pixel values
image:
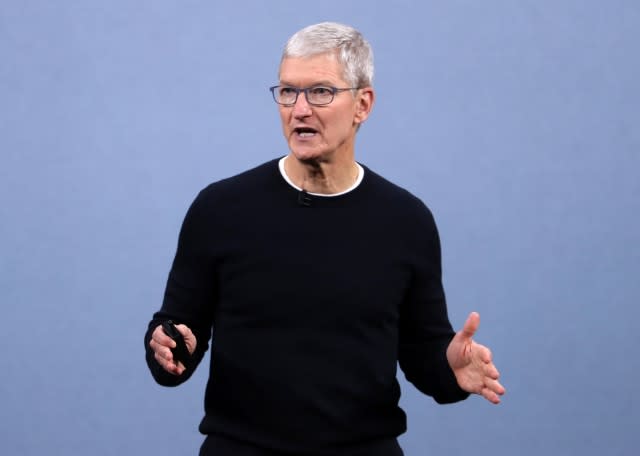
(364, 104)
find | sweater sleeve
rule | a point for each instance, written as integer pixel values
(189, 296)
(425, 330)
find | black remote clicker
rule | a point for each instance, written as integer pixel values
(180, 351)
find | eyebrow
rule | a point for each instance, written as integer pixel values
(320, 83)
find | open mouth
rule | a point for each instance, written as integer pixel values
(305, 132)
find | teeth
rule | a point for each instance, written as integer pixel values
(305, 134)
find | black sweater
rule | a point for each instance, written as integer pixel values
(311, 309)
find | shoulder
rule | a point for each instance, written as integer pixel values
(233, 191)
(406, 216)
(395, 198)
(251, 179)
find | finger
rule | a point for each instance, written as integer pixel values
(495, 387)
(168, 364)
(155, 346)
(184, 329)
(189, 337)
(163, 354)
(491, 372)
(161, 338)
(490, 396)
(161, 358)
(485, 355)
(471, 325)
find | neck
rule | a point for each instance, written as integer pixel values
(317, 176)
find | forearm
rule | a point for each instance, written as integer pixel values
(425, 365)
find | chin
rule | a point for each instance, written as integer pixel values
(305, 154)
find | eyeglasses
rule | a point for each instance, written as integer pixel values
(316, 95)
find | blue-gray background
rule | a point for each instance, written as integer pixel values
(517, 122)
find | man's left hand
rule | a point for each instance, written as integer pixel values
(472, 363)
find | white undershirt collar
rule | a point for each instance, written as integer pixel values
(353, 187)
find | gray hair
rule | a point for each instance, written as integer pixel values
(346, 43)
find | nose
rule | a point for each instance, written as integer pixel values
(301, 108)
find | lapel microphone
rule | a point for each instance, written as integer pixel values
(304, 199)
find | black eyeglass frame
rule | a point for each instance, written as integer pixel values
(334, 91)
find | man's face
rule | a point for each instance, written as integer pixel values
(323, 133)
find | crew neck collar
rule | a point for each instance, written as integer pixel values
(350, 189)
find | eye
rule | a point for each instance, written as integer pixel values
(321, 91)
(286, 91)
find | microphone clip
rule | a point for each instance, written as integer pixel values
(304, 199)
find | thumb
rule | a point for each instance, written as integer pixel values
(189, 337)
(471, 325)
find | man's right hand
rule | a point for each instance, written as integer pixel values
(161, 344)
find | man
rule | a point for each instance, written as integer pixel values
(316, 276)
